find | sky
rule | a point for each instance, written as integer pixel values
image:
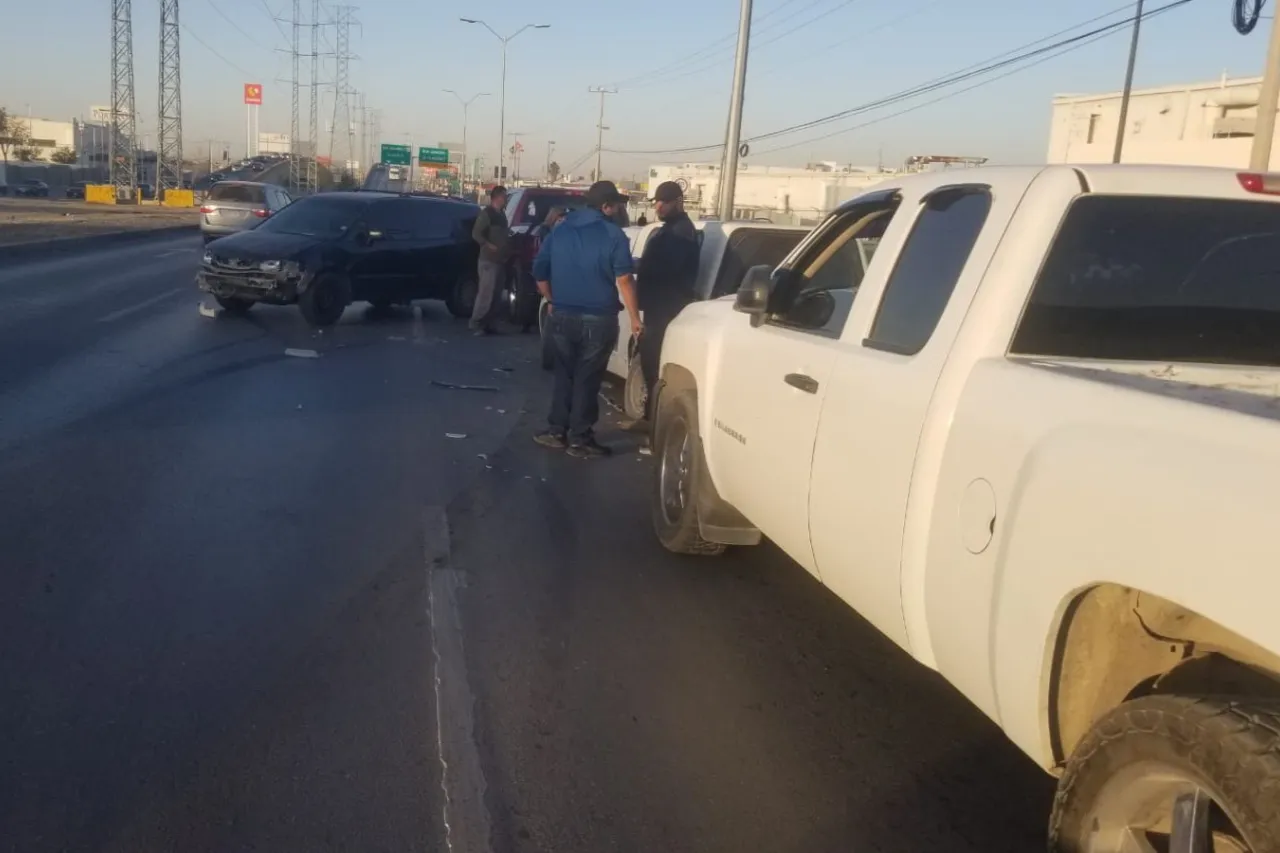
(670, 60)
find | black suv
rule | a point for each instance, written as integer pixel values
(329, 250)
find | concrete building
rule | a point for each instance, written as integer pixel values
(1192, 124)
(787, 194)
(47, 135)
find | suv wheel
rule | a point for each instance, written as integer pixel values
(677, 477)
(324, 301)
(1173, 773)
(462, 298)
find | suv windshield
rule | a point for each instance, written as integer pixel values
(1149, 278)
(327, 218)
(246, 193)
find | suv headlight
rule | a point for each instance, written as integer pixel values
(270, 266)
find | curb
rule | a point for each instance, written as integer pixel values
(72, 245)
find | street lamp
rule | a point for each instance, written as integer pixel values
(465, 103)
(502, 98)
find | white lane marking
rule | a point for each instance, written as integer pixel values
(301, 353)
(174, 252)
(466, 817)
(146, 303)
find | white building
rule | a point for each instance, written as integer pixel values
(273, 143)
(46, 135)
(783, 194)
(1194, 124)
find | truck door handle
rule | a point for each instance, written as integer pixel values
(807, 384)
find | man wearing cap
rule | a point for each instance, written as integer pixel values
(668, 272)
(493, 234)
(582, 267)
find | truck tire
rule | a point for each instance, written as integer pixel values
(1214, 756)
(235, 304)
(677, 475)
(635, 391)
(324, 301)
(462, 297)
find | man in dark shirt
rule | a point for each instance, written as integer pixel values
(493, 234)
(668, 272)
(581, 269)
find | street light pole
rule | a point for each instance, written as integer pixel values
(729, 172)
(1128, 84)
(1265, 129)
(502, 96)
(465, 104)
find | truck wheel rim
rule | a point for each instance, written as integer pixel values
(673, 475)
(1150, 807)
(637, 395)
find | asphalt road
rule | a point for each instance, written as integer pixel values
(262, 602)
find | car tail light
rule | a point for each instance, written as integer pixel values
(208, 208)
(261, 213)
(1259, 182)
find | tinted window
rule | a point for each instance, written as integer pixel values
(531, 208)
(396, 218)
(242, 193)
(749, 247)
(1159, 279)
(316, 216)
(432, 221)
(935, 254)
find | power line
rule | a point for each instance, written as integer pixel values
(236, 26)
(977, 69)
(210, 48)
(274, 19)
(1009, 73)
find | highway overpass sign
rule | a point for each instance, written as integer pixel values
(434, 155)
(396, 155)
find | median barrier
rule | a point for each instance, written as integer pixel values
(100, 194)
(178, 198)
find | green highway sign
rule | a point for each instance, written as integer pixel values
(434, 155)
(396, 155)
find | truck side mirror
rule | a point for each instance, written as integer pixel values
(754, 292)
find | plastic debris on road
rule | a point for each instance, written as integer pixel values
(301, 353)
(454, 386)
(208, 311)
(455, 435)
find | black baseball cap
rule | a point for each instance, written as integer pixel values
(604, 192)
(668, 191)
(497, 190)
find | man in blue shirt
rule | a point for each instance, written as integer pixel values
(584, 265)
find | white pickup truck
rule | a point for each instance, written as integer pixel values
(1037, 444)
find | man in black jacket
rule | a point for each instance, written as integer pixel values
(667, 274)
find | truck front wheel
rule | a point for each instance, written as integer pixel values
(1173, 773)
(677, 477)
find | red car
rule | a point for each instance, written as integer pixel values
(527, 207)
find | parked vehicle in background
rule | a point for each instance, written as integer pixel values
(1036, 443)
(31, 189)
(326, 251)
(526, 209)
(77, 190)
(234, 206)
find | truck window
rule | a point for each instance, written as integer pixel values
(928, 268)
(749, 247)
(1158, 278)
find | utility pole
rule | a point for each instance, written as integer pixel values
(124, 126)
(600, 128)
(342, 90)
(169, 132)
(1128, 84)
(296, 176)
(729, 171)
(1265, 130)
(313, 134)
(502, 97)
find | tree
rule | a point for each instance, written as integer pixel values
(553, 171)
(64, 155)
(7, 123)
(15, 136)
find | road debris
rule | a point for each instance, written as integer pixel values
(301, 353)
(207, 311)
(455, 435)
(454, 386)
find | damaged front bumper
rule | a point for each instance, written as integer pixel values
(273, 288)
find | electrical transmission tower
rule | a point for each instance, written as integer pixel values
(295, 124)
(314, 132)
(342, 128)
(169, 147)
(124, 159)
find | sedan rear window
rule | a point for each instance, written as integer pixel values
(245, 193)
(1156, 278)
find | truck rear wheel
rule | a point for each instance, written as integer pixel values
(462, 297)
(1173, 773)
(677, 477)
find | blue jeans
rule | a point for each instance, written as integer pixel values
(582, 344)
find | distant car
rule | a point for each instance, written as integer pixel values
(234, 206)
(148, 191)
(77, 190)
(526, 209)
(326, 251)
(257, 166)
(32, 189)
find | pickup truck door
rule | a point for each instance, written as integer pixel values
(773, 378)
(879, 393)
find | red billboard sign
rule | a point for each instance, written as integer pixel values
(253, 94)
